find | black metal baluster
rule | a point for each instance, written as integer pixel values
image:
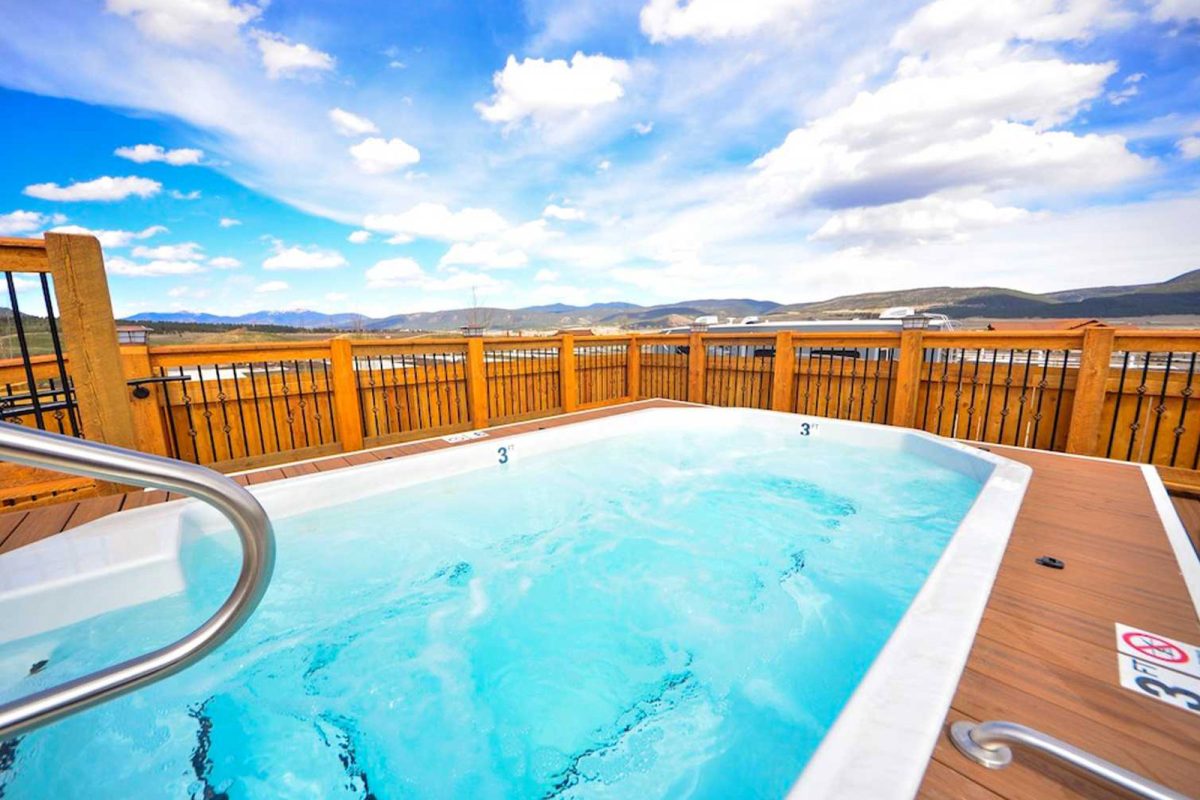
(241, 412)
(166, 389)
(887, 395)
(927, 354)
(987, 405)
(1058, 401)
(316, 402)
(1161, 408)
(1004, 410)
(974, 394)
(941, 406)
(271, 405)
(1023, 398)
(1041, 390)
(226, 428)
(1141, 390)
(333, 431)
(1186, 393)
(207, 412)
(192, 432)
(286, 392)
(59, 360)
(23, 346)
(262, 439)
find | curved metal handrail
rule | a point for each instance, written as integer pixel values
(986, 744)
(66, 454)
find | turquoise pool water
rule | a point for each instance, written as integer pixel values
(667, 615)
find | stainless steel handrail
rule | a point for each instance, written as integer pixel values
(987, 743)
(66, 454)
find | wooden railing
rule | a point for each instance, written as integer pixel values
(1122, 394)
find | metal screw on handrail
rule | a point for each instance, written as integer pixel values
(987, 743)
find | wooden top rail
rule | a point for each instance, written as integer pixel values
(23, 255)
(454, 347)
(199, 357)
(1158, 341)
(991, 340)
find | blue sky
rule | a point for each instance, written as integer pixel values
(385, 157)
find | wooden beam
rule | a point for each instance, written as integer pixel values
(345, 394)
(633, 365)
(90, 333)
(785, 372)
(908, 379)
(1083, 432)
(476, 384)
(149, 425)
(23, 255)
(696, 363)
(568, 382)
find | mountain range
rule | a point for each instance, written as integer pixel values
(1179, 295)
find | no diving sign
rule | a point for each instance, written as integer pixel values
(1165, 669)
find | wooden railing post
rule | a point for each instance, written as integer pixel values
(1083, 432)
(567, 381)
(345, 394)
(696, 358)
(476, 383)
(149, 425)
(785, 372)
(90, 332)
(908, 380)
(633, 366)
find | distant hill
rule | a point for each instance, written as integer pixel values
(1180, 295)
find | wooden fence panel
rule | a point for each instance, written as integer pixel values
(601, 372)
(523, 380)
(412, 393)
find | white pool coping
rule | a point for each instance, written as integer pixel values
(879, 745)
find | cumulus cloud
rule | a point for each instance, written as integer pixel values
(663, 20)
(562, 212)
(377, 156)
(271, 286)
(187, 251)
(224, 262)
(145, 153)
(484, 255)
(348, 124)
(18, 222)
(643, 128)
(359, 237)
(1178, 11)
(103, 189)
(436, 221)
(285, 59)
(1189, 147)
(927, 219)
(113, 238)
(296, 257)
(187, 22)
(958, 25)
(546, 91)
(229, 222)
(152, 269)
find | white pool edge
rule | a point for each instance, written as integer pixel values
(1181, 545)
(880, 744)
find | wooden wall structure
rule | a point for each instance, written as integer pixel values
(1122, 394)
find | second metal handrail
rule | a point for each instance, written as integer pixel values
(987, 743)
(67, 454)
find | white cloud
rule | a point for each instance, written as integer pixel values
(145, 153)
(604, 165)
(157, 268)
(377, 156)
(436, 221)
(17, 222)
(283, 59)
(561, 212)
(927, 219)
(1180, 11)
(224, 262)
(103, 189)
(945, 25)
(296, 257)
(271, 286)
(643, 128)
(394, 272)
(1128, 90)
(348, 124)
(484, 255)
(187, 251)
(192, 195)
(663, 20)
(1189, 147)
(546, 276)
(113, 239)
(359, 237)
(229, 222)
(546, 91)
(187, 22)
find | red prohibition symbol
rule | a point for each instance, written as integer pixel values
(1150, 645)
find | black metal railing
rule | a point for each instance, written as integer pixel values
(522, 380)
(1017, 397)
(844, 382)
(741, 375)
(227, 412)
(49, 401)
(600, 372)
(1151, 417)
(401, 393)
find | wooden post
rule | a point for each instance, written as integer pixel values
(567, 380)
(633, 366)
(149, 425)
(1083, 432)
(696, 354)
(345, 394)
(90, 333)
(908, 380)
(785, 372)
(476, 383)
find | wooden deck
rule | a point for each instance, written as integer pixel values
(1044, 654)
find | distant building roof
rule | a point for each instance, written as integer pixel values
(575, 331)
(132, 328)
(1046, 325)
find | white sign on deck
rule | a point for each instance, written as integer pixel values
(454, 438)
(1165, 669)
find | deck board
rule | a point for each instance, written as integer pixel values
(1044, 653)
